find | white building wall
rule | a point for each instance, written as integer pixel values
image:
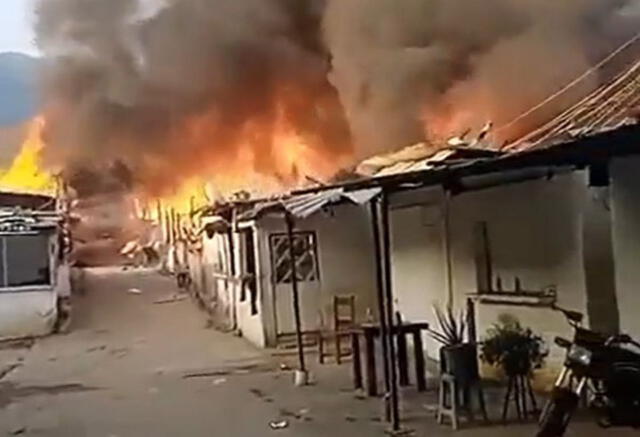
(346, 266)
(625, 205)
(27, 314)
(32, 312)
(535, 234)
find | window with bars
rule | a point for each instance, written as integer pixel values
(305, 253)
(24, 261)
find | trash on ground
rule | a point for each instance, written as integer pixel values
(219, 381)
(276, 425)
(284, 367)
(205, 374)
(135, 291)
(97, 348)
(171, 299)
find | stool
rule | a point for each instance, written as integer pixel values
(449, 403)
(518, 389)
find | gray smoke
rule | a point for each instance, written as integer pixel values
(461, 63)
(187, 87)
(127, 79)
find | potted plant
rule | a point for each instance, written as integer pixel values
(457, 357)
(513, 348)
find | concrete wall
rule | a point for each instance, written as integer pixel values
(535, 234)
(32, 311)
(625, 205)
(346, 266)
(27, 314)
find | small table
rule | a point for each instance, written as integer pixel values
(370, 332)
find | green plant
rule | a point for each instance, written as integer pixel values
(517, 350)
(452, 326)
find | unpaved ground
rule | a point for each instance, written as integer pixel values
(121, 372)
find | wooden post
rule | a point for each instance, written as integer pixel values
(375, 225)
(388, 288)
(472, 335)
(357, 360)
(403, 355)
(294, 290)
(447, 247)
(421, 381)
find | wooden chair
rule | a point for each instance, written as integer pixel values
(344, 319)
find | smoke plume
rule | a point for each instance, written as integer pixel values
(198, 87)
(447, 65)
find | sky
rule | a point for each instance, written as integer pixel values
(16, 19)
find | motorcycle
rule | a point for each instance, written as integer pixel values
(607, 368)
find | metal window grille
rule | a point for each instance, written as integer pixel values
(305, 253)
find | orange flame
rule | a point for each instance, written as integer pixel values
(269, 159)
(26, 174)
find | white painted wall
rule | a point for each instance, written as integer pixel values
(27, 314)
(535, 233)
(346, 264)
(625, 205)
(32, 311)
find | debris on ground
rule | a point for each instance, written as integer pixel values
(284, 367)
(349, 418)
(171, 299)
(97, 348)
(8, 369)
(277, 425)
(18, 431)
(119, 352)
(260, 395)
(219, 381)
(206, 374)
(134, 291)
(21, 343)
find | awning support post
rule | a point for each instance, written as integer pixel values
(375, 226)
(296, 297)
(389, 312)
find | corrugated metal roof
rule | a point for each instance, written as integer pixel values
(305, 205)
(420, 157)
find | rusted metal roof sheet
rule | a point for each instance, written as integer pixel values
(305, 205)
(420, 157)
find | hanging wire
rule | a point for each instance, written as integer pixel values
(571, 84)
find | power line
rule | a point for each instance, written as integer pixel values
(570, 85)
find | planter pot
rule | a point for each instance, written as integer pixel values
(517, 366)
(461, 361)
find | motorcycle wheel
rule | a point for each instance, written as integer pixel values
(557, 413)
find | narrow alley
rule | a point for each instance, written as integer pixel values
(138, 362)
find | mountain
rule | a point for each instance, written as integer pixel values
(18, 88)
